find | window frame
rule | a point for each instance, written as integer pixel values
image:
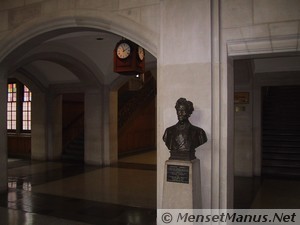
(29, 109)
(20, 87)
(14, 100)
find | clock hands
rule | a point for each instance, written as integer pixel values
(125, 49)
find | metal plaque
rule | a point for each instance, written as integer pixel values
(178, 174)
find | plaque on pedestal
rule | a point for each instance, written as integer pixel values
(178, 174)
(182, 186)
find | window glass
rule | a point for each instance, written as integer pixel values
(18, 108)
(12, 107)
(26, 109)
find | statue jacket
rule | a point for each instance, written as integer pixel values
(184, 138)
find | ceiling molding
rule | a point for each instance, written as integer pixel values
(262, 45)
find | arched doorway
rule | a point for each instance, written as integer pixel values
(53, 50)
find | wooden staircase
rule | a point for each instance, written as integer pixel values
(281, 132)
(137, 118)
(130, 101)
(74, 151)
(73, 140)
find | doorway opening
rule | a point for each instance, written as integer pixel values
(281, 132)
(265, 131)
(73, 127)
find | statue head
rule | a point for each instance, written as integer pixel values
(184, 109)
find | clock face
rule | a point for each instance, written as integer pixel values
(123, 50)
(141, 53)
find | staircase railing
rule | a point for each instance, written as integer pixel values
(145, 94)
(73, 129)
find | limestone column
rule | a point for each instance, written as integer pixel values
(3, 131)
(107, 154)
(113, 114)
(38, 126)
(54, 118)
(184, 70)
(93, 128)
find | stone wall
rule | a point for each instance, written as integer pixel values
(193, 41)
(131, 19)
(254, 26)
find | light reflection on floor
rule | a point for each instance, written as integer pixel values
(65, 193)
(14, 182)
(56, 193)
(112, 185)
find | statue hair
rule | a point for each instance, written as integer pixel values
(187, 104)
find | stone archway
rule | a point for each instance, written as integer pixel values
(32, 33)
(18, 41)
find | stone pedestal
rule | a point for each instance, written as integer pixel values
(182, 185)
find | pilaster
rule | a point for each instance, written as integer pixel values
(184, 70)
(54, 126)
(93, 128)
(3, 130)
(39, 127)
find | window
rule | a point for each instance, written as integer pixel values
(12, 107)
(18, 108)
(26, 111)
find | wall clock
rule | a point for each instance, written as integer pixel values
(141, 53)
(129, 58)
(123, 50)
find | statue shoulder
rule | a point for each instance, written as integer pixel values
(200, 132)
(197, 129)
(168, 132)
(170, 129)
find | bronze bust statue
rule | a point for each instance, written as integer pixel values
(183, 138)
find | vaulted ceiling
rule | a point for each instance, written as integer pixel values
(79, 59)
(84, 58)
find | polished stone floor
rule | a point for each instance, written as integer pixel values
(43, 193)
(266, 193)
(278, 194)
(65, 193)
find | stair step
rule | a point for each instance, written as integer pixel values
(72, 152)
(281, 131)
(281, 156)
(269, 125)
(266, 144)
(278, 137)
(277, 132)
(75, 150)
(72, 158)
(278, 150)
(75, 147)
(281, 172)
(281, 163)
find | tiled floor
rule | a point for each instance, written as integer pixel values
(43, 193)
(121, 186)
(266, 193)
(145, 158)
(278, 194)
(64, 193)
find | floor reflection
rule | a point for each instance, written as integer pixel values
(65, 193)
(20, 183)
(266, 193)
